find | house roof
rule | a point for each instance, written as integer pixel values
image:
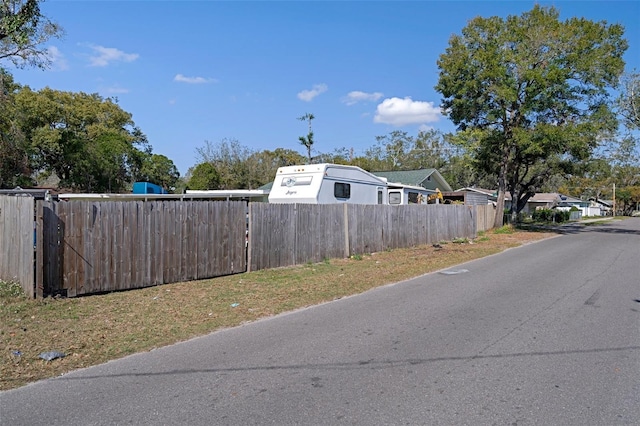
(570, 199)
(539, 197)
(415, 177)
(37, 193)
(549, 197)
(545, 197)
(266, 186)
(489, 192)
(605, 203)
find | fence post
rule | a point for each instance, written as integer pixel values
(473, 210)
(40, 242)
(248, 235)
(346, 230)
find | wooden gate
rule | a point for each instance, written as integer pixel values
(93, 247)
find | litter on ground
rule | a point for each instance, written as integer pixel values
(51, 355)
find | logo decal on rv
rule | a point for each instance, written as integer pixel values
(289, 181)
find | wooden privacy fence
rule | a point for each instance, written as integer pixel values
(290, 234)
(17, 241)
(93, 247)
(486, 217)
(87, 247)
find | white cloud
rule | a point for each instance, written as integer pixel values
(356, 96)
(105, 55)
(398, 112)
(308, 95)
(58, 61)
(117, 90)
(192, 80)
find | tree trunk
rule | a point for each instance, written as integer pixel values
(499, 220)
(515, 206)
(499, 209)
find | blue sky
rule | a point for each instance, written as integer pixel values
(196, 71)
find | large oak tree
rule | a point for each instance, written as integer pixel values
(23, 30)
(14, 158)
(530, 94)
(87, 141)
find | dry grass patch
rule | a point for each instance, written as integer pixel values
(95, 329)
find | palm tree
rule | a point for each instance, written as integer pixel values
(308, 140)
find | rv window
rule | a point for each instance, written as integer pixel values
(413, 198)
(342, 190)
(380, 200)
(296, 181)
(395, 197)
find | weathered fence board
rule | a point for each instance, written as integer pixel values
(290, 234)
(48, 253)
(486, 217)
(17, 241)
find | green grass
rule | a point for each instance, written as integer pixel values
(506, 229)
(10, 289)
(460, 241)
(595, 222)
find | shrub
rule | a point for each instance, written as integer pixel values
(550, 215)
(506, 229)
(11, 289)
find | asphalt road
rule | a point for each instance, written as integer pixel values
(545, 334)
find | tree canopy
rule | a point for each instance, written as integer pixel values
(629, 101)
(204, 176)
(159, 169)
(240, 167)
(87, 142)
(23, 29)
(14, 161)
(530, 94)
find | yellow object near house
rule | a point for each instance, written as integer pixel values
(433, 197)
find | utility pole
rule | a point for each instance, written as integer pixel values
(614, 199)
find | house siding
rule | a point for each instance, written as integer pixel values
(475, 199)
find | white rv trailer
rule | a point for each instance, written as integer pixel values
(336, 183)
(327, 184)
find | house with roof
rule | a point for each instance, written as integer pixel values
(554, 200)
(425, 178)
(470, 196)
(605, 206)
(541, 200)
